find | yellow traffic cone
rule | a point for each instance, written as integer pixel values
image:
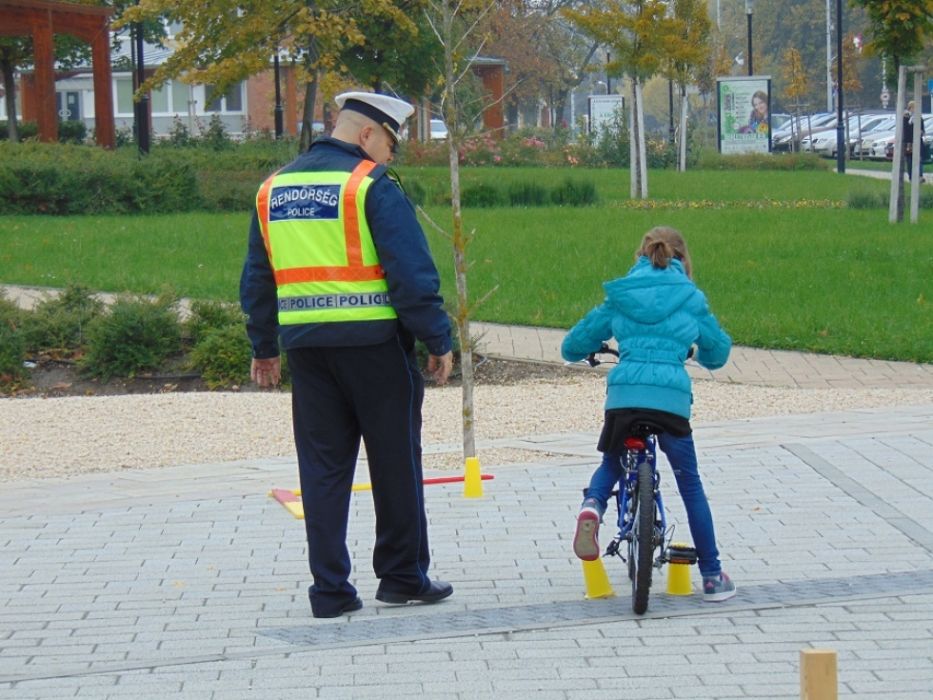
(596, 580)
(473, 481)
(680, 558)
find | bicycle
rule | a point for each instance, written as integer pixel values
(642, 519)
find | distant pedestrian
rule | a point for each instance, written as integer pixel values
(339, 269)
(909, 140)
(656, 313)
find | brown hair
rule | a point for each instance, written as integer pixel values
(661, 244)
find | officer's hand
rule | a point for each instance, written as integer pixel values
(266, 372)
(440, 366)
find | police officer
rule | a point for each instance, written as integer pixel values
(339, 271)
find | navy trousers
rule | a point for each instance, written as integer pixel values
(340, 396)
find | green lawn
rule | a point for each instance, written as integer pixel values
(823, 279)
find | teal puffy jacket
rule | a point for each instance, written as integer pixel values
(655, 316)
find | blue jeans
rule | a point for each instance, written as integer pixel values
(682, 455)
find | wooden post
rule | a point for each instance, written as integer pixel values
(43, 50)
(104, 129)
(818, 674)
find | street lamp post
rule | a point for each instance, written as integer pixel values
(279, 126)
(141, 108)
(841, 146)
(748, 14)
(608, 79)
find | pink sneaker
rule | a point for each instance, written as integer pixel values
(585, 544)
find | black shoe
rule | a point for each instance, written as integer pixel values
(349, 606)
(438, 590)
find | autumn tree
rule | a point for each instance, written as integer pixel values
(638, 35)
(403, 59)
(221, 43)
(797, 84)
(455, 23)
(688, 51)
(547, 56)
(899, 30)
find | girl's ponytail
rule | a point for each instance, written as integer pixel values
(661, 244)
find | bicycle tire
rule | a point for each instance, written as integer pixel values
(643, 539)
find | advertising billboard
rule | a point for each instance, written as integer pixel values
(744, 114)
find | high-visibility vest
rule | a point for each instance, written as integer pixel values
(320, 247)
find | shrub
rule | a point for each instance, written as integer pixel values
(59, 324)
(481, 195)
(235, 191)
(415, 191)
(711, 160)
(208, 316)
(574, 193)
(179, 135)
(867, 200)
(222, 356)
(39, 178)
(136, 335)
(527, 194)
(163, 184)
(25, 130)
(215, 136)
(12, 347)
(72, 132)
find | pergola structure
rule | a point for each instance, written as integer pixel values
(42, 20)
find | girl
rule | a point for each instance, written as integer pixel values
(656, 313)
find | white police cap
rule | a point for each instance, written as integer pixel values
(390, 112)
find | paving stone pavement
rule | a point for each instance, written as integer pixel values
(190, 582)
(158, 584)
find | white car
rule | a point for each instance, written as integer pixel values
(824, 142)
(878, 144)
(438, 130)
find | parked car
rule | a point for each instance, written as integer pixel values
(438, 130)
(927, 152)
(789, 136)
(869, 125)
(779, 119)
(823, 141)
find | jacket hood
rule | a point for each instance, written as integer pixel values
(648, 294)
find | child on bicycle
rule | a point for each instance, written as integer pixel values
(656, 313)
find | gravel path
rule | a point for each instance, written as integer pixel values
(56, 437)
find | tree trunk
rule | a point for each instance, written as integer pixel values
(642, 142)
(563, 96)
(460, 239)
(307, 116)
(9, 86)
(684, 106)
(634, 167)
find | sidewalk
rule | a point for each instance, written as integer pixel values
(190, 582)
(745, 366)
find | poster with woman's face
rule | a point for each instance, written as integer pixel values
(744, 107)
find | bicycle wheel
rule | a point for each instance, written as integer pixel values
(641, 547)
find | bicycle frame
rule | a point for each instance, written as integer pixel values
(637, 451)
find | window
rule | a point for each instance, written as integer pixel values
(124, 95)
(230, 101)
(161, 99)
(179, 97)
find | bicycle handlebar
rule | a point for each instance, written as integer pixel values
(604, 349)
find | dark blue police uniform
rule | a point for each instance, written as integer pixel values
(358, 380)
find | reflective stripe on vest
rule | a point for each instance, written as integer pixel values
(320, 247)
